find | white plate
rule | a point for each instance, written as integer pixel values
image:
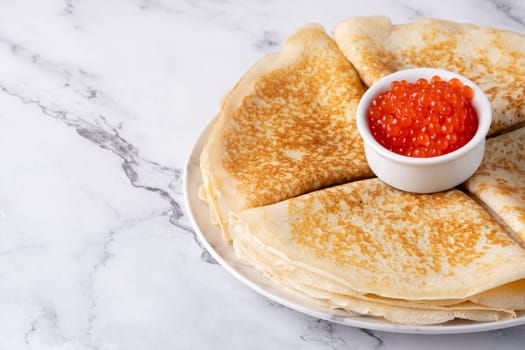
(223, 252)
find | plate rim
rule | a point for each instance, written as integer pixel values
(363, 321)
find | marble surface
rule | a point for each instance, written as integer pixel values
(100, 104)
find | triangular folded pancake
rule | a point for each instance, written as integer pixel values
(373, 239)
(396, 310)
(293, 274)
(500, 180)
(287, 128)
(493, 59)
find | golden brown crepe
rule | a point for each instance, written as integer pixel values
(493, 59)
(500, 180)
(287, 128)
(318, 289)
(374, 239)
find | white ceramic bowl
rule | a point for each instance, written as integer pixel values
(424, 175)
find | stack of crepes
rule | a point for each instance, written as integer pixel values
(286, 179)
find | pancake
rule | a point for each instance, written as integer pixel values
(493, 59)
(373, 239)
(395, 310)
(319, 288)
(410, 315)
(287, 128)
(500, 180)
(278, 267)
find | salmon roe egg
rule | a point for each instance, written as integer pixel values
(425, 118)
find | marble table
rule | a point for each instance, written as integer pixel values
(100, 104)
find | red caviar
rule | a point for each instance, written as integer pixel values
(425, 118)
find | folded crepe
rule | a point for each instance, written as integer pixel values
(368, 248)
(500, 180)
(318, 289)
(493, 59)
(287, 128)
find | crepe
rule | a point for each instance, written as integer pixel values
(287, 128)
(495, 305)
(509, 296)
(500, 180)
(493, 59)
(395, 310)
(367, 248)
(373, 239)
